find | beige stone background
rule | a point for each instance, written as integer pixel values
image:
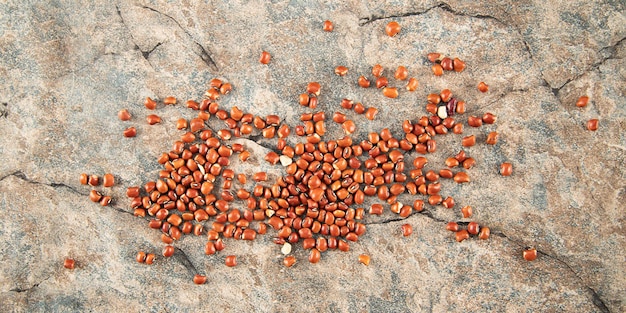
(67, 67)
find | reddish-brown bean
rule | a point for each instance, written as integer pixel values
(69, 263)
(592, 124)
(392, 28)
(482, 87)
(530, 254)
(506, 169)
(407, 230)
(265, 57)
(327, 27)
(582, 101)
(231, 260)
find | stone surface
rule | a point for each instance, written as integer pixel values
(69, 67)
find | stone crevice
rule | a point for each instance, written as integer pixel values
(610, 55)
(197, 48)
(28, 289)
(54, 185)
(595, 297)
(183, 258)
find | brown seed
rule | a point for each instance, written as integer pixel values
(473, 228)
(592, 124)
(446, 64)
(434, 199)
(289, 261)
(445, 95)
(458, 64)
(461, 177)
(484, 233)
(390, 92)
(530, 254)
(359, 108)
(437, 69)
(457, 129)
(452, 162)
(106, 200)
(434, 57)
(327, 27)
(149, 103)
(506, 169)
(420, 162)
(376, 209)
(460, 107)
(265, 57)
(377, 70)
(392, 28)
(448, 203)
(124, 115)
(181, 123)
(407, 230)
(150, 258)
(452, 226)
(95, 196)
(474, 121)
(141, 257)
(314, 88)
(466, 211)
(199, 279)
(348, 126)
(226, 88)
(363, 81)
(582, 101)
(304, 99)
(108, 180)
(469, 163)
(461, 235)
(370, 113)
(153, 119)
(412, 84)
(401, 73)
(168, 251)
(482, 87)
(347, 104)
(69, 263)
(364, 259)
(130, 132)
(272, 157)
(169, 100)
(489, 118)
(84, 179)
(341, 70)
(315, 255)
(468, 141)
(382, 82)
(231, 260)
(492, 138)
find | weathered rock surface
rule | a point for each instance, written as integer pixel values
(67, 68)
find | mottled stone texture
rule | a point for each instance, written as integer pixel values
(67, 67)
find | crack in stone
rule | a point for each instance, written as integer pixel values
(19, 174)
(367, 20)
(594, 67)
(4, 111)
(426, 213)
(442, 5)
(145, 54)
(595, 298)
(197, 48)
(182, 257)
(20, 290)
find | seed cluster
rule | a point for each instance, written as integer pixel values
(319, 202)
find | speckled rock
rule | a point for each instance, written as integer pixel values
(68, 68)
